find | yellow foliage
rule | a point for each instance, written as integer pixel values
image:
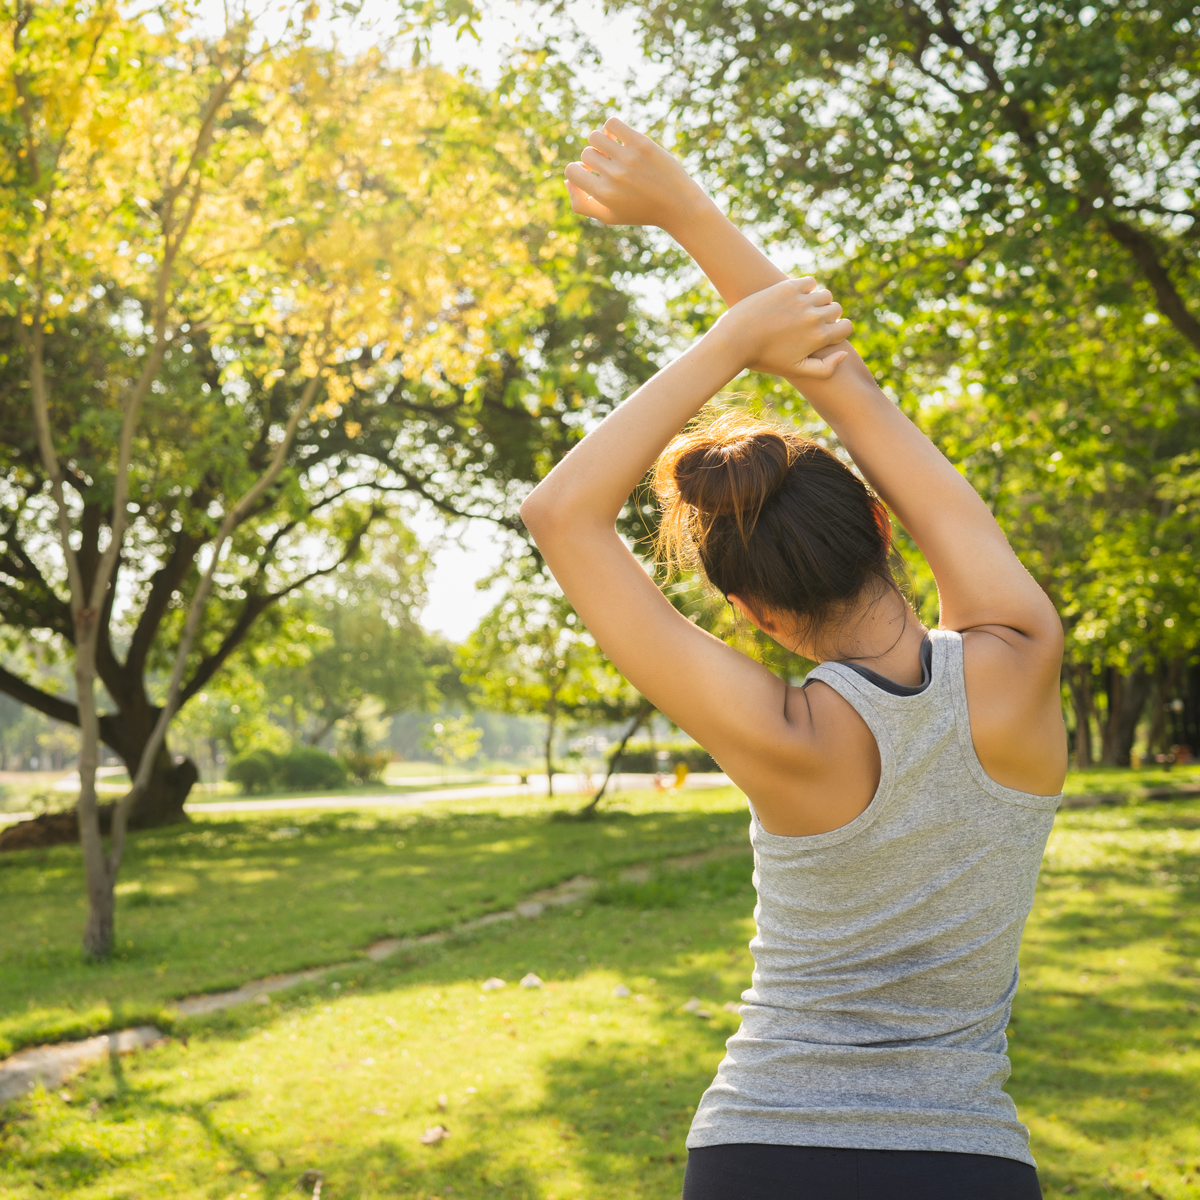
(285, 192)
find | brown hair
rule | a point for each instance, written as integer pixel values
(770, 516)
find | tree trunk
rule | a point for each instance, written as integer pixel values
(170, 782)
(639, 719)
(1079, 681)
(1185, 720)
(98, 875)
(1166, 681)
(98, 933)
(551, 717)
(1113, 682)
(1134, 694)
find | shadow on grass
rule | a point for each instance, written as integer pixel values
(207, 906)
(1094, 1064)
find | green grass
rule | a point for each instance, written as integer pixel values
(206, 906)
(579, 1093)
(1121, 781)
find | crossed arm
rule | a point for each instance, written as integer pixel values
(629, 179)
(763, 733)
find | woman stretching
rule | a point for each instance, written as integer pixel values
(900, 800)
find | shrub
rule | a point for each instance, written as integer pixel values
(642, 758)
(308, 767)
(366, 766)
(255, 771)
(301, 767)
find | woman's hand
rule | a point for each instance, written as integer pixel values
(626, 178)
(783, 329)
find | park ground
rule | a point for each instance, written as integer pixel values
(554, 1093)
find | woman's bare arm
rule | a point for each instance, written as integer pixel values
(626, 178)
(731, 704)
(1013, 634)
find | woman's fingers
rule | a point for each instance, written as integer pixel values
(602, 142)
(587, 206)
(819, 368)
(583, 178)
(614, 127)
(594, 160)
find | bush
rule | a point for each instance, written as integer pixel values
(301, 767)
(308, 767)
(366, 766)
(642, 758)
(256, 771)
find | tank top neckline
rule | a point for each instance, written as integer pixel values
(890, 685)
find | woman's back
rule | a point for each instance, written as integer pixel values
(886, 953)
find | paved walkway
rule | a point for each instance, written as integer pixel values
(564, 786)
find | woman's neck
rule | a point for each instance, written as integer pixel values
(883, 635)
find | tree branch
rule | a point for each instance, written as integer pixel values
(25, 693)
(1170, 302)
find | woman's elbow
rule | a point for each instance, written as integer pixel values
(538, 512)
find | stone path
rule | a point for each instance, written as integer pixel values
(52, 1066)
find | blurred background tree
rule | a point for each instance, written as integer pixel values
(391, 244)
(1005, 199)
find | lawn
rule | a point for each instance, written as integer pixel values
(208, 905)
(568, 1090)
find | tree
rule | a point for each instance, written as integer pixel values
(226, 341)
(453, 740)
(354, 640)
(461, 416)
(1009, 127)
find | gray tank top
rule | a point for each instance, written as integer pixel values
(885, 961)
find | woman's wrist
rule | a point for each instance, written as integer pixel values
(690, 213)
(727, 343)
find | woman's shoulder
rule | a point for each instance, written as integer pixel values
(825, 776)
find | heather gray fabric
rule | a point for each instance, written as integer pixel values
(886, 952)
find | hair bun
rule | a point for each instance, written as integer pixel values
(731, 467)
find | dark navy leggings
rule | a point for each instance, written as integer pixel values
(753, 1172)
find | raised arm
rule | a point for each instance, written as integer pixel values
(626, 178)
(1012, 635)
(729, 703)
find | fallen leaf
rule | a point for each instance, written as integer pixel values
(621, 991)
(530, 981)
(733, 1006)
(704, 1014)
(380, 1112)
(433, 1135)
(692, 1005)
(493, 984)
